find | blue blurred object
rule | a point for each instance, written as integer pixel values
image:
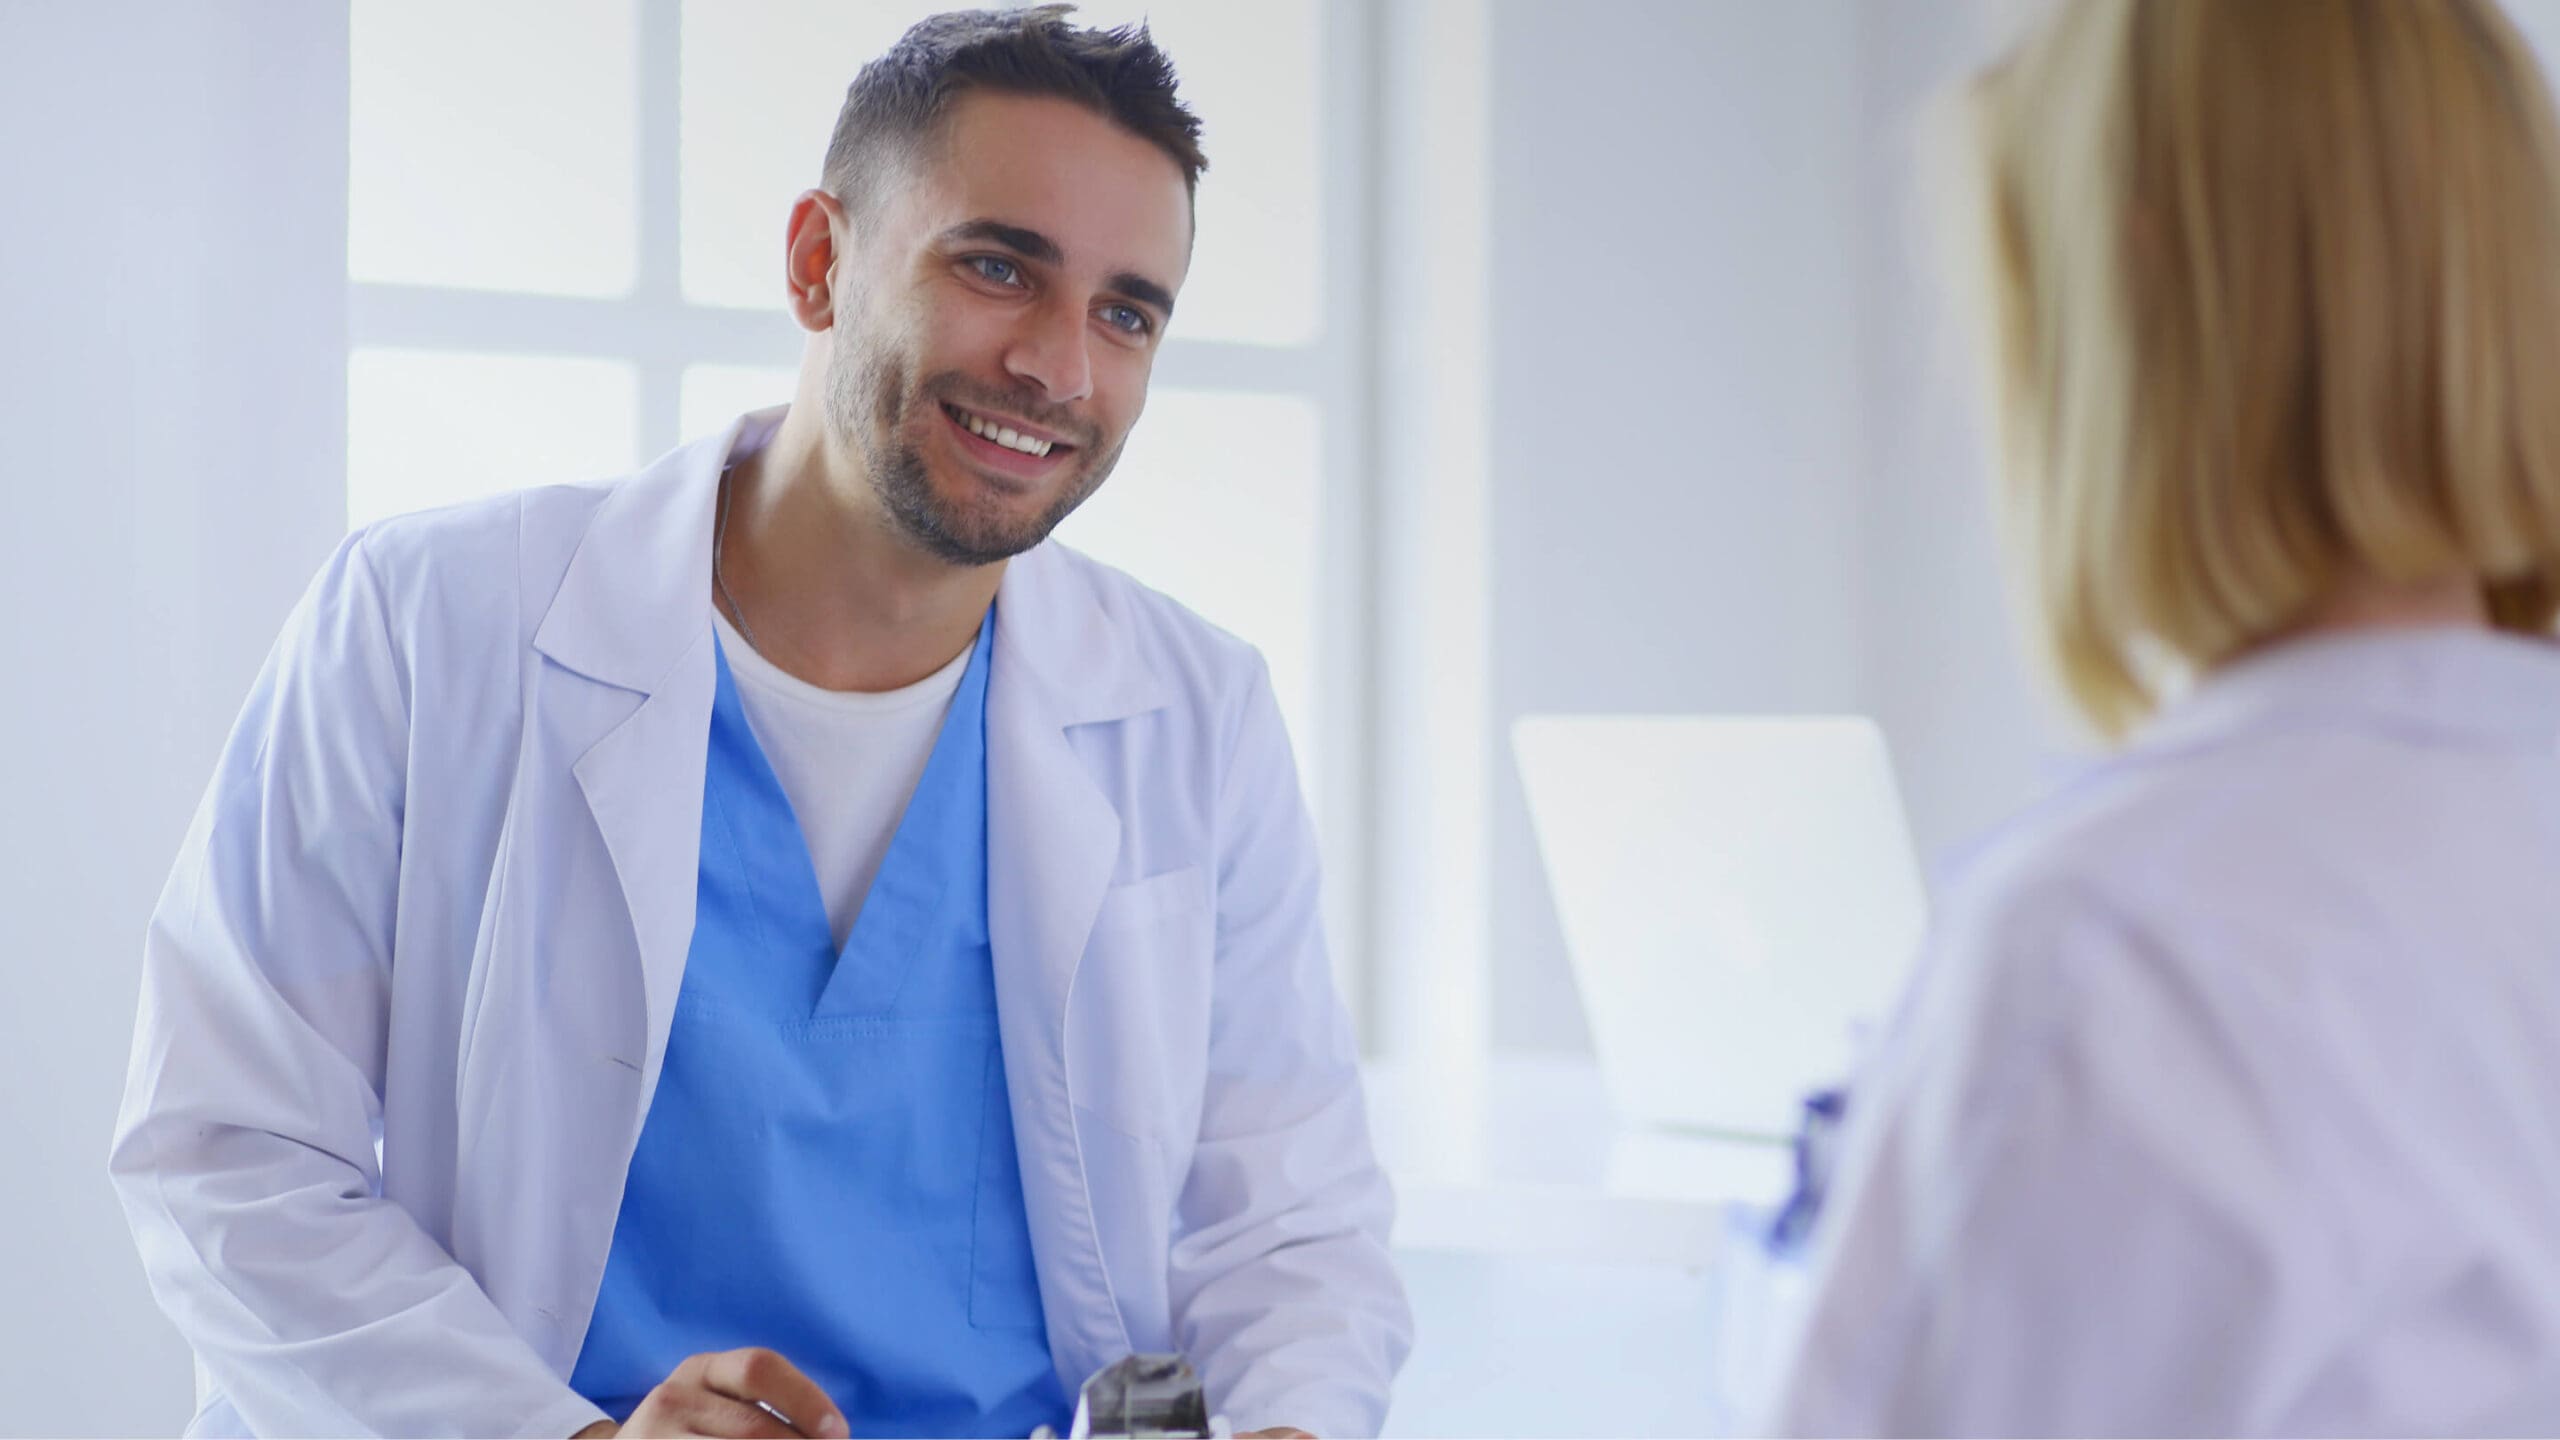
(1816, 1147)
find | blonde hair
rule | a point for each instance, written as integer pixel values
(2274, 291)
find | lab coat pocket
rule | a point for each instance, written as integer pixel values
(1138, 1015)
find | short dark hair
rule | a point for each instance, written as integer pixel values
(895, 103)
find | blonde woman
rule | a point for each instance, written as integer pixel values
(2228, 1099)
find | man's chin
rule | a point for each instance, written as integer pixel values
(965, 538)
(998, 517)
(968, 516)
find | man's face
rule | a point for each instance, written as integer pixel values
(1019, 279)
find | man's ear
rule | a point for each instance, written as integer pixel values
(819, 231)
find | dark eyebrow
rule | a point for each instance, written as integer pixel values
(1143, 290)
(1032, 245)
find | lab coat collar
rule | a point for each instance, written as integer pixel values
(1056, 632)
(636, 597)
(2452, 684)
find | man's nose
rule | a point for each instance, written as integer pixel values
(1054, 352)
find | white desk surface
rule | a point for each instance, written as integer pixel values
(1527, 1159)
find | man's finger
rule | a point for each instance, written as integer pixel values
(708, 1413)
(757, 1374)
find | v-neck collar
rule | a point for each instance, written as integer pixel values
(931, 883)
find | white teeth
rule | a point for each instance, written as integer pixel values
(1004, 435)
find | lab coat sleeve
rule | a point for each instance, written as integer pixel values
(245, 1151)
(1282, 1291)
(2053, 1213)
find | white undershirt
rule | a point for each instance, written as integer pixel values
(849, 761)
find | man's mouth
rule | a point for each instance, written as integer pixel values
(999, 432)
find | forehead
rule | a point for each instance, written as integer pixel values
(1108, 197)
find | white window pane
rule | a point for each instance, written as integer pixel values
(493, 144)
(1252, 72)
(762, 82)
(429, 428)
(714, 395)
(1216, 503)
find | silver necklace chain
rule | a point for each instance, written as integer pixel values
(719, 575)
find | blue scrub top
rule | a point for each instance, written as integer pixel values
(827, 1168)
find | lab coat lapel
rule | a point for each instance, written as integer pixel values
(1053, 839)
(633, 615)
(643, 785)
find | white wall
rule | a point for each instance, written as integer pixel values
(1677, 437)
(172, 183)
(1736, 461)
(1430, 520)
(1973, 735)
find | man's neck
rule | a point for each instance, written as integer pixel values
(823, 582)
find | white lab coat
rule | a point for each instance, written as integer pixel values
(405, 998)
(2227, 1100)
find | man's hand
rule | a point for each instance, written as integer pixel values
(736, 1395)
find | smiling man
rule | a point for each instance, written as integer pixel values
(774, 945)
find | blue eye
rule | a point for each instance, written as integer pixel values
(997, 269)
(1127, 318)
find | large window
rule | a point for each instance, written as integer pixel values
(565, 242)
